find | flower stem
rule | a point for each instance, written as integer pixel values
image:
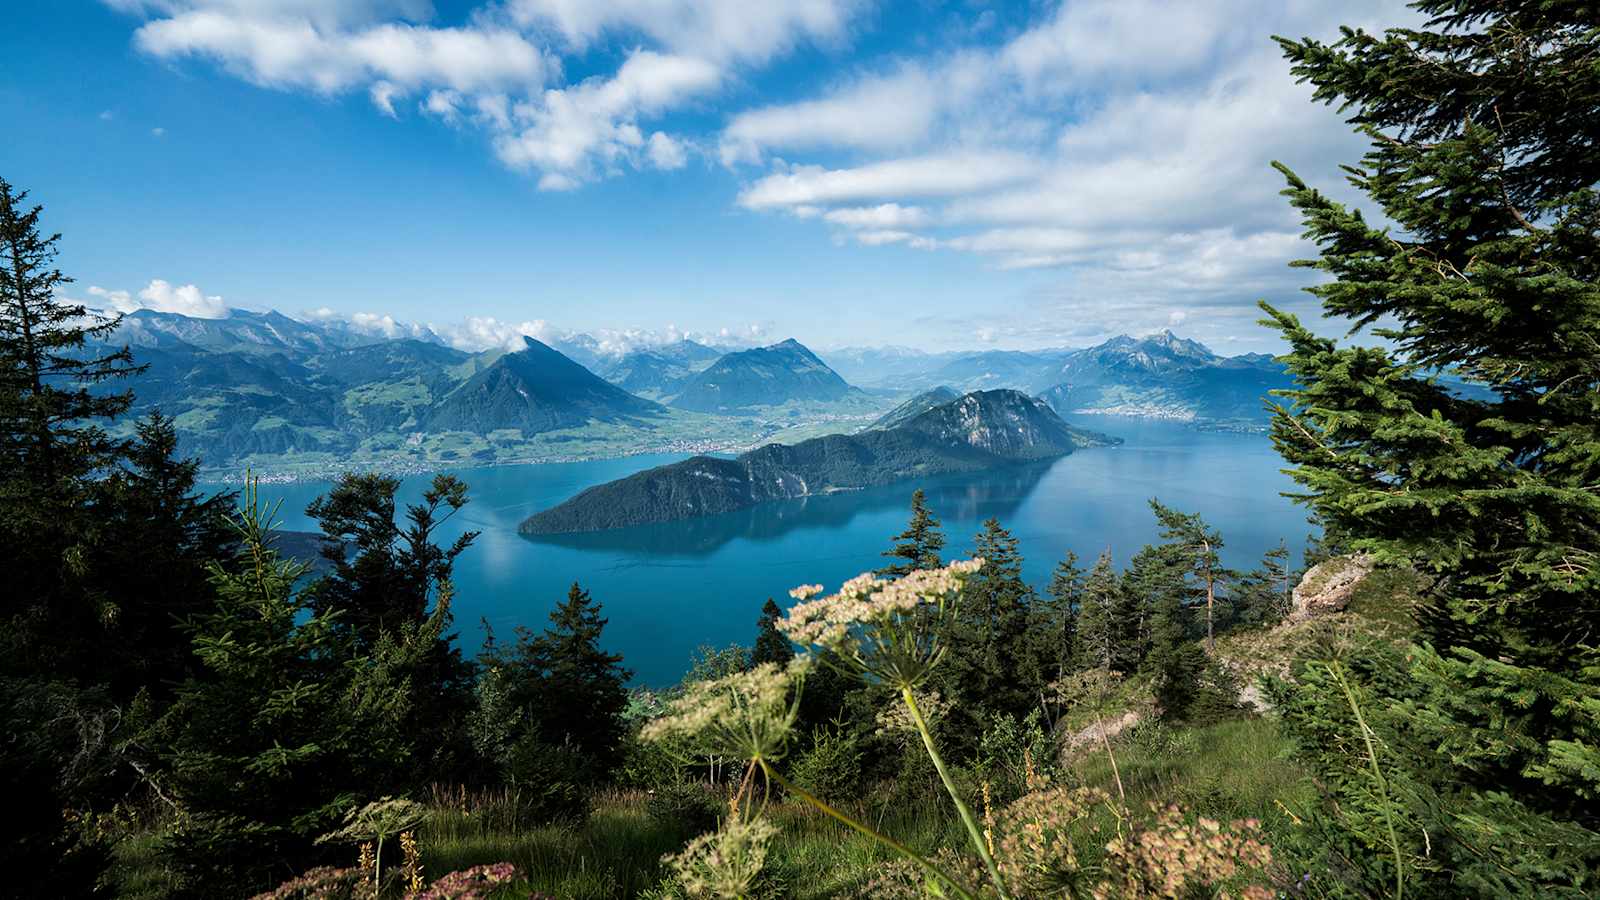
(884, 839)
(1377, 776)
(978, 841)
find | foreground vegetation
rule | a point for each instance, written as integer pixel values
(189, 714)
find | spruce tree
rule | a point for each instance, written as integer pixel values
(285, 726)
(55, 452)
(1154, 580)
(1485, 156)
(573, 693)
(771, 646)
(1174, 662)
(1265, 595)
(161, 578)
(384, 579)
(1053, 632)
(918, 546)
(1103, 621)
(1198, 545)
(994, 612)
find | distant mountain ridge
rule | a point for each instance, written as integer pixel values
(532, 390)
(761, 376)
(1156, 376)
(914, 407)
(659, 372)
(266, 389)
(981, 430)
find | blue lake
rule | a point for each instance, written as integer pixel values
(668, 589)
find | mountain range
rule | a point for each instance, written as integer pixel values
(978, 431)
(1160, 376)
(274, 391)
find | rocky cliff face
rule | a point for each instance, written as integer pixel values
(1006, 423)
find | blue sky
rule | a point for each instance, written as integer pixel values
(939, 175)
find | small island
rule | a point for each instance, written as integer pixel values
(976, 431)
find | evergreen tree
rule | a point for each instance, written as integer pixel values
(1174, 661)
(287, 725)
(1053, 632)
(1197, 544)
(989, 649)
(1104, 621)
(572, 692)
(1265, 595)
(383, 575)
(385, 578)
(771, 646)
(54, 453)
(1485, 156)
(161, 577)
(1154, 580)
(918, 546)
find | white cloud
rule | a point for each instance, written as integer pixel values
(920, 176)
(884, 215)
(875, 113)
(501, 69)
(879, 237)
(158, 132)
(716, 30)
(575, 134)
(383, 94)
(107, 115)
(163, 296)
(376, 324)
(289, 52)
(1125, 143)
(442, 104)
(1130, 38)
(666, 152)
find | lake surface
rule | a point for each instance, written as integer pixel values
(668, 589)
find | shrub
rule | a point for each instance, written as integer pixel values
(549, 782)
(832, 767)
(683, 805)
(1010, 751)
(647, 766)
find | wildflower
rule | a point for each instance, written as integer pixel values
(1035, 849)
(376, 821)
(413, 861)
(475, 883)
(746, 715)
(883, 629)
(724, 863)
(1175, 857)
(323, 881)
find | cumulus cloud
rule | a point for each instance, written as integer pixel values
(574, 134)
(501, 70)
(916, 176)
(715, 30)
(1124, 143)
(162, 296)
(287, 51)
(884, 215)
(875, 112)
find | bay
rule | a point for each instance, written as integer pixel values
(667, 589)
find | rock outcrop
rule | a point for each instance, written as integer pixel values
(1328, 586)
